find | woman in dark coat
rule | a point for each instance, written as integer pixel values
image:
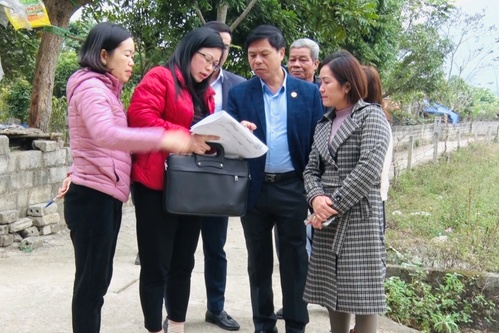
(342, 179)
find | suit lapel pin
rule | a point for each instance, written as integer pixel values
(293, 94)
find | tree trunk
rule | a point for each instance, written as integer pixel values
(45, 69)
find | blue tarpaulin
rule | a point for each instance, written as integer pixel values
(439, 109)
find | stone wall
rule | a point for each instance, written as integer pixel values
(28, 180)
(423, 134)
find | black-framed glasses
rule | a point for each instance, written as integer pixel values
(210, 60)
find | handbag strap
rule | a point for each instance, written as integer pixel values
(214, 161)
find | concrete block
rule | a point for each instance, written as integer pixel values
(21, 180)
(4, 229)
(20, 225)
(30, 244)
(29, 232)
(55, 228)
(22, 201)
(17, 238)
(40, 194)
(58, 174)
(40, 177)
(69, 157)
(4, 145)
(7, 164)
(6, 240)
(8, 202)
(41, 221)
(9, 216)
(40, 209)
(55, 158)
(29, 160)
(45, 230)
(4, 184)
(45, 145)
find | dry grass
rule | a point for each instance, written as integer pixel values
(445, 215)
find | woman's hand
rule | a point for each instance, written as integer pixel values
(323, 210)
(64, 188)
(198, 143)
(248, 125)
(183, 142)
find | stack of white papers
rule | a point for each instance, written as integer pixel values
(237, 140)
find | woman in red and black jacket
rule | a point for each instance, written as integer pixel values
(173, 96)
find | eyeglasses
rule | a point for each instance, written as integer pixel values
(210, 60)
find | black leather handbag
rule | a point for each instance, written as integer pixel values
(206, 185)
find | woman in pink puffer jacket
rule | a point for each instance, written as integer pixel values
(99, 179)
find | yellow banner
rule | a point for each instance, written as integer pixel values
(36, 15)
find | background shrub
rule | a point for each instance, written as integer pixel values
(67, 64)
(18, 99)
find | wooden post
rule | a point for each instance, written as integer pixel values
(458, 138)
(435, 141)
(410, 151)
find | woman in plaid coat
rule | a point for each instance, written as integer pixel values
(342, 179)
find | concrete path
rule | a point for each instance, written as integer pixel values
(36, 287)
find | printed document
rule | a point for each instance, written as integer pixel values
(237, 140)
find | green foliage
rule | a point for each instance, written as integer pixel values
(59, 117)
(443, 306)
(3, 104)
(79, 28)
(457, 198)
(18, 99)
(156, 26)
(127, 95)
(67, 64)
(18, 50)
(366, 28)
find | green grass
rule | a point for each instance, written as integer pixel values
(445, 215)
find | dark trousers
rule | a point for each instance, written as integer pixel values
(94, 219)
(167, 243)
(282, 204)
(214, 235)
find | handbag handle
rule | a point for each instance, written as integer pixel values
(216, 161)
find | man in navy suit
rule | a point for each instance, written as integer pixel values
(282, 111)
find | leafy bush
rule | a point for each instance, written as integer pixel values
(127, 95)
(18, 99)
(444, 307)
(59, 117)
(67, 64)
(3, 105)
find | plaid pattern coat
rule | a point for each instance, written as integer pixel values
(347, 265)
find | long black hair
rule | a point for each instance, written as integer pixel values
(181, 59)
